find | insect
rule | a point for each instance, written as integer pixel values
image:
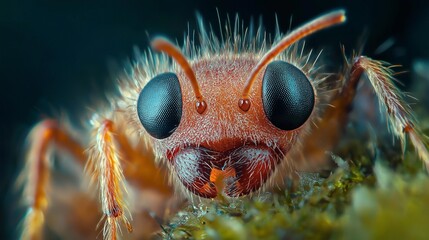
(227, 118)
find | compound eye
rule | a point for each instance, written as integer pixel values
(287, 95)
(159, 105)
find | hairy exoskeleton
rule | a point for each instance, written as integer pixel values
(230, 120)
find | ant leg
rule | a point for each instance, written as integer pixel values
(381, 78)
(112, 159)
(104, 163)
(139, 167)
(400, 118)
(37, 172)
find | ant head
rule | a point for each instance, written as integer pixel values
(202, 131)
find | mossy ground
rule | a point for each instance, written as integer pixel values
(378, 193)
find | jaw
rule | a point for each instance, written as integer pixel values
(235, 172)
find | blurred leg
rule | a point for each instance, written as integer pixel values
(36, 174)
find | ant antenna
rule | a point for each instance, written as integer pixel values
(163, 45)
(317, 24)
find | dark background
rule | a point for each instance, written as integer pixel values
(59, 55)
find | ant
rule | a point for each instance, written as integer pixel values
(226, 118)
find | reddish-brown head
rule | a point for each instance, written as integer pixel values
(239, 117)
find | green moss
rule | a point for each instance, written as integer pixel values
(358, 200)
(397, 208)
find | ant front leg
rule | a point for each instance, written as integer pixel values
(113, 161)
(36, 174)
(106, 168)
(380, 76)
(401, 121)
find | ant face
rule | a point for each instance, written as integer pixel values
(243, 146)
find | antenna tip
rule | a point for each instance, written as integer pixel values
(335, 17)
(343, 17)
(157, 43)
(341, 14)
